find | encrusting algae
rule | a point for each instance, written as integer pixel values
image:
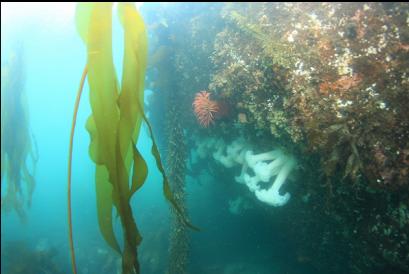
(327, 83)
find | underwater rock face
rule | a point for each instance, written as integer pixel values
(328, 83)
(18, 257)
(331, 75)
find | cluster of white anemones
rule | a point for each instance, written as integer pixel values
(266, 166)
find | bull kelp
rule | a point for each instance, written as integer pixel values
(16, 141)
(114, 126)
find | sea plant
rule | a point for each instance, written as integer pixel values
(114, 125)
(16, 142)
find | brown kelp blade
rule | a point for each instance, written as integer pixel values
(111, 127)
(103, 190)
(140, 170)
(116, 119)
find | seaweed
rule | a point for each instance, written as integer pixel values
(114, 126)
(16, 142)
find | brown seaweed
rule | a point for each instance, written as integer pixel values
(16, 141)
(114, 126)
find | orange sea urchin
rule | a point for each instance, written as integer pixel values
(205, 108)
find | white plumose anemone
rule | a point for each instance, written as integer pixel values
(279, 167)
(272, 196)
(266, 166)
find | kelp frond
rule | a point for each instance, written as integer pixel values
(16, 142)
(114, 125)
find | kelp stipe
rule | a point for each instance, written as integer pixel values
(114, 125)
(74, 120)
